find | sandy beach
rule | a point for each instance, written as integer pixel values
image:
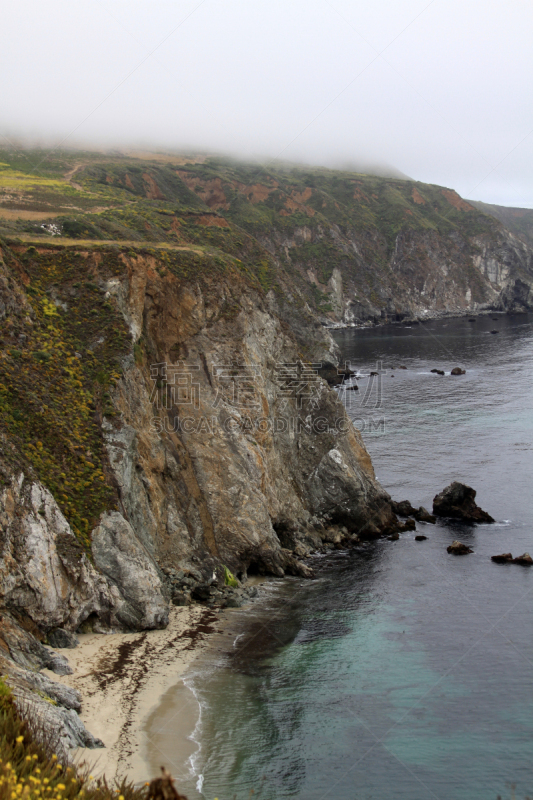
(122, 679)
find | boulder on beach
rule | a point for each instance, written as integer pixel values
(459, 549)
(458, 371)
(458, 501)
(503, 558)
(524, 559)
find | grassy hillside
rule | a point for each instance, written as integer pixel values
(517, 220)
(286, 225)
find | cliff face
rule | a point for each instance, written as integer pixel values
(212, 438)
(366, 248)
(155, 417)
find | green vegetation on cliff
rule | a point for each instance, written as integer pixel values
(278, 221)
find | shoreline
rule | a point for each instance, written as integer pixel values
(123, 679)
(420, 320)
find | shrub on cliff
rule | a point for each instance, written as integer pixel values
(29, 769)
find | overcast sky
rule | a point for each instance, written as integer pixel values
(441, 90)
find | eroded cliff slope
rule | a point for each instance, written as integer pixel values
(157, 415)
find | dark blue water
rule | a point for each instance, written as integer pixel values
(401, 672)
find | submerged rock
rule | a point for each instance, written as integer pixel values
(458, 501)
(459, 549)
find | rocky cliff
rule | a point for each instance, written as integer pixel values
(342, 246)
(158, 418)
(162, 412)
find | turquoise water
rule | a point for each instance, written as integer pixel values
(400, 672)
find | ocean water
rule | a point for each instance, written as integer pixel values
(400, 672)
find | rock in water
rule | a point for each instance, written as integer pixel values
(458, 549)
(458, 371)
(504, 558)
(458, 501)
(403, 508)
(420, 538)
(423, 515)
(524, 559)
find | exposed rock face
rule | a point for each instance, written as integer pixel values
(427, 274)
(207, 471)
(52, 705)
(458, 501)
(126, 565)
(207, 480)
(46, 576)
(44, 572)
